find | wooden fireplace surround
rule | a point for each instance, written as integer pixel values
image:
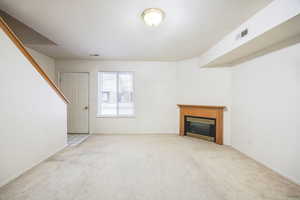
(214, 112)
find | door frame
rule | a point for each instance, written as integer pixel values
(88, 74)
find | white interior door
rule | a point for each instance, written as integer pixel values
(76, 88)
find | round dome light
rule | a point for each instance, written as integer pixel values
(153, 16)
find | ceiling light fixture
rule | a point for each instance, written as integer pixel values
(153, 16)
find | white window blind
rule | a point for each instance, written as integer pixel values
(116, 94)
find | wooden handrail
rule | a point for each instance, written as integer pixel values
(22, 48)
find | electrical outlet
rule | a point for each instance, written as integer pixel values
(244, 33)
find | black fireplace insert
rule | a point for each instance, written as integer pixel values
(200, 127)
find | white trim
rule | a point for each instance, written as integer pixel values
(14, 177)
(118, 95)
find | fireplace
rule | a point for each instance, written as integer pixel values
(202, 121)
(201, 127)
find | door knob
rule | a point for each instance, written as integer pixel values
(86, 107)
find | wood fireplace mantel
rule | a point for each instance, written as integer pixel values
(214, 112)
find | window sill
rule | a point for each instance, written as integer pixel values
(116, 117)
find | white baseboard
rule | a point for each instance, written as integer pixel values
(7, 181)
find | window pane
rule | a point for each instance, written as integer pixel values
(108, 93)
(125, 99)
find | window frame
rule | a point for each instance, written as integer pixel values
(99, 97)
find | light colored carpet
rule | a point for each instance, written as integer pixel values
(76, 139)
(149, 167)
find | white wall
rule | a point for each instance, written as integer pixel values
(33, 117)
(155, 96)
(266, 110)
(205, 86)
(159, 86)
(46, 63)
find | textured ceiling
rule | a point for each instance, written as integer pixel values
(114, 28)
